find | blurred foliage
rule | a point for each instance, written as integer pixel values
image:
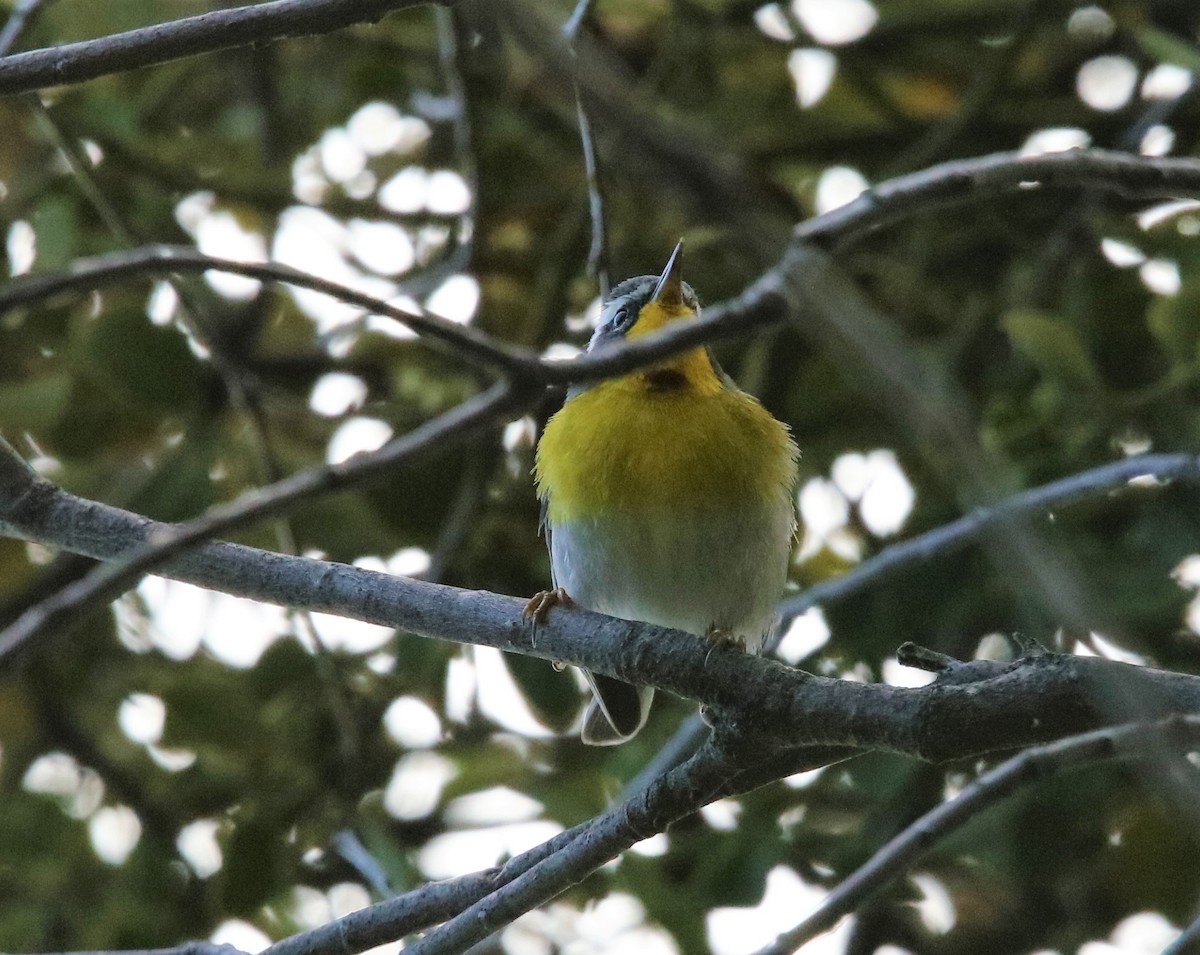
(1059, 359)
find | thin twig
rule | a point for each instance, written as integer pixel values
(346, 844)
(22, 17)
(86, 274)
(456, 93)
(597, 262)
(575, 22)
(1188, 942)
(109, 581)
(394, 918)
(950, 538)
(206, 33)
(950, 183)
(906, 849)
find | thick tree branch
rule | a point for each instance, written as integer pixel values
(576, 851)
(1135, 742)
(187, 948)
(939, 543)
(973, 708)
(206, 33)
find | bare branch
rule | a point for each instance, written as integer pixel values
(950, 538)
(1139, 741)
(598, 250)
(973, 708)
(394, 918)
(108, 582)
(764, 303)
(206, 33)
(950, 183)
(86, 274)
(685, 789)
(187, 948)
(23, 15)
(940, 543)
(575, 853)
(524, 881)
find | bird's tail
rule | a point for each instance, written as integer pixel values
(617, 710)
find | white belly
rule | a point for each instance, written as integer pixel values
(689, 571)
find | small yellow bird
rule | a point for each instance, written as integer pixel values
(667, 497)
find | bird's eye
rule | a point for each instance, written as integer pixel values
(622, 319)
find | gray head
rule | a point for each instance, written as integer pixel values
(624, 306)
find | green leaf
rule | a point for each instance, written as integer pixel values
(1175, 322)
(256, 858)
(34, 404)
(1168, 48)
(1053, 346)
(148, 364)
(56, 224)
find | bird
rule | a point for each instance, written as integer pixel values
(667, 497)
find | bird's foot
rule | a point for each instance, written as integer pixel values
(718, 638)
(541, 603)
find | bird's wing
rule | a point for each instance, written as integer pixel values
(547, 532)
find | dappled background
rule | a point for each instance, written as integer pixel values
(193, 766)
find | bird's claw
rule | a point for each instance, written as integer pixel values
(719, 638)
(541, 603)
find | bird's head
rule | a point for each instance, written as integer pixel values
(642, 305)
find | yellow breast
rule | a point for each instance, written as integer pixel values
(623, 446)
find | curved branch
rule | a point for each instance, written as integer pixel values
(576, 852)
(466, 342)
(951, 183)
(206, 33)
(1139, 741)
(764, 303)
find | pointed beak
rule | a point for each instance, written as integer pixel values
(669, 290)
